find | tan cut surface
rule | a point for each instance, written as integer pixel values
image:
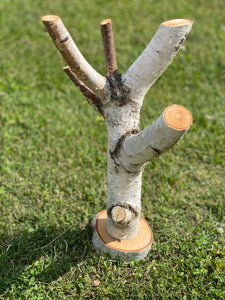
(177, 22)
(49, 18)
(106, 21)
(177, 117)
(142, 241)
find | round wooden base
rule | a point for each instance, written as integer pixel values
(136, 248)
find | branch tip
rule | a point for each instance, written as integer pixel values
(49, 18)
(177, 117)
(66, 68)
(109, 48)
(106, 21)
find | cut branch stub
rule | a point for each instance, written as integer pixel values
(109, 48)
(121, 215)
(69, 51)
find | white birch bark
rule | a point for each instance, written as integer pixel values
(154, 139)
(124, 168)
(121, 98)
(156, 57)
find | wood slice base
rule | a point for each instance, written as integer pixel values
(136, 248)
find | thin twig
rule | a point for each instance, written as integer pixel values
(90, 96)
(109, 48)
(55, 239)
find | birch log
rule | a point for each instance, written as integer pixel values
(119, 98)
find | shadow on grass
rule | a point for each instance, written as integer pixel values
(43, 255)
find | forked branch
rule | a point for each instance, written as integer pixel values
(68, 49)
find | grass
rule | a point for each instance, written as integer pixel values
(53, 157)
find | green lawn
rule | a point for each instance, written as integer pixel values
(53, 156)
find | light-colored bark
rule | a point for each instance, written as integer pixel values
(121, 99)
(156, 57)
(90, 96)
(126, 162)
(156, 138)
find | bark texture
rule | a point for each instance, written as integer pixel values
(156, 57)
(120, 99)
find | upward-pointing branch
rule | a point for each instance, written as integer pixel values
(109, 48)
(68, 49)
(156, 57)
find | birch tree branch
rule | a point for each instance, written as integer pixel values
(109, 48)
(156, 139)
(90, 96)
(156, 57)
(73, 56)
